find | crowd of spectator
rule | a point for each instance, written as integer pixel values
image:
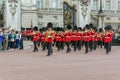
(10, 39)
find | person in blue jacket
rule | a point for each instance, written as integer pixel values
(1, 39)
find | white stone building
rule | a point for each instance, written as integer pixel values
(40, 12)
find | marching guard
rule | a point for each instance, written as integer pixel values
(108, 38)
(86, 38)
(58, 38)
(100, 37)
(35, 38)
(50, 35)
(43, 39)
(68, 38)
(75, 37)
(92, 37)
(80, 38)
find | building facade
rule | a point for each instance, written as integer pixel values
(40, 12)
(27, 13)
(111, 10)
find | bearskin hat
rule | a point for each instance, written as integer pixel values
(43, 29)
(62, 29)
(100, 30)
(35, 28)
(75, 28)
(69, 27)
(106, 28)
(40, 30)
(49, 25)
(80, 29)
(109, 27)
(91, 25)
(58, 29)
(55, 29)
(87, 26)
(95, 28)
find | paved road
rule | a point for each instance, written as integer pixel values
(25, 65)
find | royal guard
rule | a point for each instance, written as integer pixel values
(68, 37)
(95, 38)
(43, 39)
(108, 38)
(92, 37)
(110, 34)
(50, 35)
(35, 38)
(86, 38)
(39, 41)
(100, 38)
(75, 37)
(80, 38)
(58, 38)
(62, 38)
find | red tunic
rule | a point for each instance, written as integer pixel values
(36, 37)
(68, 37)
(43, 38)
(58, 38)
(107, 40)
(86, 36)
(80, 36)
(50, 37)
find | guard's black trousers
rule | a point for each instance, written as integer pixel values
(79, 45)
(95, 45)
(58, 45)
(107, 47)
(86, 46)
(75, 45)
(68, 47)
(44, 45)
(62, 45)
(100, 43)
(35, 47)
(39, 43)
(49, 47)
(91, 44)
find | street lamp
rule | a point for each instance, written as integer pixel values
(101, 16)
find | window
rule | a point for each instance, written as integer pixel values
(47, 3)
(28, 1)
(108, 5)
(107, 18)
(54, 3)
(55, 17)
(0, 1)
(40, 3)
(40, 17)
(118, 5)
(95, 4)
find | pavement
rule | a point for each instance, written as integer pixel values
(26, 65)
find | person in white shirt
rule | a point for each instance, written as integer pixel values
(17, 37)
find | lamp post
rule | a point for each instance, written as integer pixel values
(101, 16)
(21, 15)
